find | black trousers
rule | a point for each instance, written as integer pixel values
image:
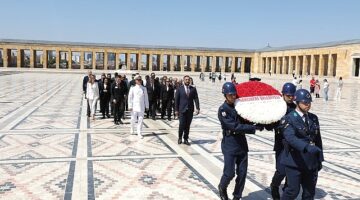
(118, 111)
(152, 109)
(296, 178)
(185, 119)
(166, 107)
(235, 163)
(279, 174)
(104, 106)
(88, 108)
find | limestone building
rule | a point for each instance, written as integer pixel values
(326, 59)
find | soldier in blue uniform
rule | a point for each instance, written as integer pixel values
(288, 92)
(233, 145)
(302, 155)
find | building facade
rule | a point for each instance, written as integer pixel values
(326, 59)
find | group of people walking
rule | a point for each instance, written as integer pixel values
(170, 97)
(298, 145)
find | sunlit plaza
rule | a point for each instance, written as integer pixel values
(50, 149)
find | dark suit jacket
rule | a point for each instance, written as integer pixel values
(153, 93)
(118, 92)
(85, 81)
(166, 94)
(105, 94)
(184, 102)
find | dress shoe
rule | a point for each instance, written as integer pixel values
(169, 119)
(162, 117)
(153, 118)
(103, 117)
(275, 192)
(223, 193)
(236, 198)
(121, 122)
(108, 116)
(186, 142)
(179, 141)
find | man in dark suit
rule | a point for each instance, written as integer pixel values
(118, 92)
(185, 97)
(85, 81)
(153, 90)
(166, 96)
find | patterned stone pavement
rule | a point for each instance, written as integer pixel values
(51, 150)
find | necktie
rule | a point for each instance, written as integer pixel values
(306, 121)
(187, 91)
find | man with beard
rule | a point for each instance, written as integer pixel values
(185, 97)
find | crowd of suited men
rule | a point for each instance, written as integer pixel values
(112, 93)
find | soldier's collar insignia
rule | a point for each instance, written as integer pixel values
(223, 114)
(282, 121)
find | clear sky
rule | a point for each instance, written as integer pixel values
(239, 24)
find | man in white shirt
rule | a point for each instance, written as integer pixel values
(138, 102)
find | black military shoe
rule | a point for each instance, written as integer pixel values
(223, 193)
(186, 142)
(275, 192)
(179, 141)
(236, 198)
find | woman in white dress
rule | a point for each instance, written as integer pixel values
(92, 94)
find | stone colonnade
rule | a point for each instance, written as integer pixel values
(141, 59)
(309, 64)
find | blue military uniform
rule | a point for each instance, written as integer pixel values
(279, 174)
(234, 147)
(302, 155)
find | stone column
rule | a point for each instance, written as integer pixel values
(18, 58)
(138, 61)
(297, 65)
(321, 65)
(182, 62)
(5, 57)
(222, 69)
(192, 62)
(105, 60)
(268, 65)
(161, 62)
(44, 58)
(149, 61)
(127, 60)
(291, 65)
(312, 65)
(277, 65)
(117, 60)
(70, 60)
(171, 60)
(305, 64)
(213, 63)
(284, 64)
(232, 64)
(330, 65)
(57, 52)
(31, 58)
(272, 65)
(82, 57)
(242, 68)
(94, 60)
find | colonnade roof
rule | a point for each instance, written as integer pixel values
(155, 47)
(310, 46)
(125, 46)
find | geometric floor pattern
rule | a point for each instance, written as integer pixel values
(51, 150)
